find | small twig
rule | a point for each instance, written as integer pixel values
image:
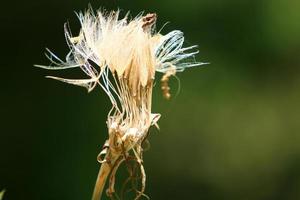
(111, 189)
(143, 174)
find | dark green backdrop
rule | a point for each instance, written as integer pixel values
(231, 133)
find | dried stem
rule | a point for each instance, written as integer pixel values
(104, 172)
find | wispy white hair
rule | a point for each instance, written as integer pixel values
(113, 43)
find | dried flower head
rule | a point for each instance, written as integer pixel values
(122, 56)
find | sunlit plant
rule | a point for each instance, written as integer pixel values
(122, 56)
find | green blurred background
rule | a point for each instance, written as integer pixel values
(231, 133)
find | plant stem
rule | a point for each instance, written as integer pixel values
(101, 180)
(104, 172)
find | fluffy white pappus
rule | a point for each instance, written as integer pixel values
(131, 48)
